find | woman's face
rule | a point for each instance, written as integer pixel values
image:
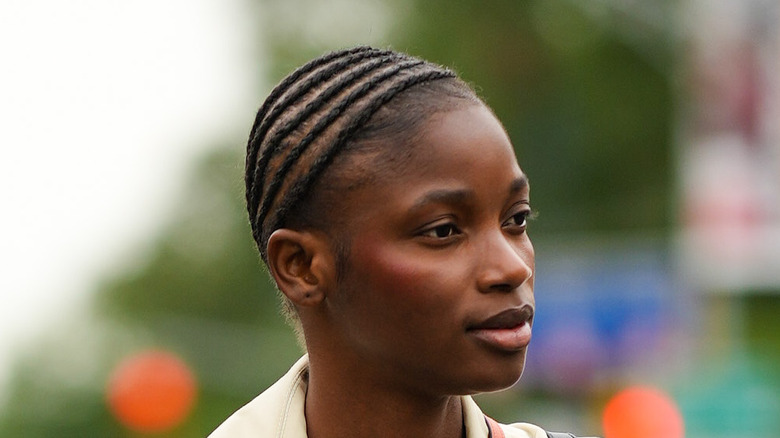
(437, 291)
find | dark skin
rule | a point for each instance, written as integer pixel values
(437, 298)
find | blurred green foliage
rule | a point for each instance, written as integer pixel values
(590, 117)
(200, 292)
(589, 113)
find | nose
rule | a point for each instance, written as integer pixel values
(506, 262)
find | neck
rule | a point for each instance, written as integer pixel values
(352, 402)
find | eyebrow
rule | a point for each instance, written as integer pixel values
(461, 196)
(443, 196)
(519, 184)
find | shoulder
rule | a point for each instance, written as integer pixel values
(275, 412)
(478, 425)
(523, 430)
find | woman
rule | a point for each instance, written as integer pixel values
(388, 205)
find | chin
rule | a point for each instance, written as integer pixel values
(506, 383)
(498, 376)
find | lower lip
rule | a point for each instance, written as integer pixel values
(506, 339)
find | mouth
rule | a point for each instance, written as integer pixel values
(509, 330)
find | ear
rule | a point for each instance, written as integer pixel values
(301, 263)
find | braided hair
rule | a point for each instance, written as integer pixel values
(342, 103)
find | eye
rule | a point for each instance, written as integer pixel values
(519, 220)
(442, 231)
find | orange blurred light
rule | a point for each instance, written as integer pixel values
(151, 392)
(642, 412)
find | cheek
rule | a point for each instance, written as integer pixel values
(397, 277)
(384, 268)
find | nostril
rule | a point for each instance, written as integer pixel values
(502, 287)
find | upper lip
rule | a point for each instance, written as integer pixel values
(506, 319)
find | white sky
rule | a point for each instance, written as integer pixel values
(103, 106)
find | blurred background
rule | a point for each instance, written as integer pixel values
(650, 131)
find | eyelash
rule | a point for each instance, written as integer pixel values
(449, 230)
(524, 216)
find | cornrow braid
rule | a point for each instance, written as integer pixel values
(323, 123)
(328, 106)
(282, 86)
(304, 184)
(264, 119)
(271, 145)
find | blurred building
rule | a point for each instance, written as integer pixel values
(728, 245)
(729, 143)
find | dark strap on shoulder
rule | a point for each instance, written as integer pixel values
(559, 435)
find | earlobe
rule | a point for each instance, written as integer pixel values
(298, 263)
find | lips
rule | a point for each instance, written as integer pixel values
(509, 330)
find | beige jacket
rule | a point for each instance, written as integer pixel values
(278, 413)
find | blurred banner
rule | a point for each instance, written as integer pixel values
(730, 146)
(607, 308)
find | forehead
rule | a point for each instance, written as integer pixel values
(449, 143)
(465, 133)
(466, 150)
